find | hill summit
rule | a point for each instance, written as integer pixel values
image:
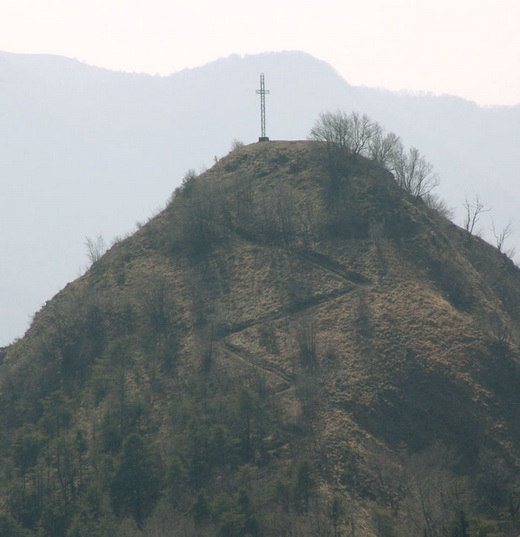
(286, 349)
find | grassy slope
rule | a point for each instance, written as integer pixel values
(369, 319)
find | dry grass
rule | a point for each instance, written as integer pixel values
(385, 325)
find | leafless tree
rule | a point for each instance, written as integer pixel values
(383, 146)
(439, 205)
(331, 128)
(347, 134)
(277, 215)
(502, 236)
(189, 175)
(361, 130)
(500, 330)
(413, 172)
(203, 206)
(308, 223)
(95, 248)
(157, 303)
(235, 144)
(473, 210)
(434, 496)
(344, 135)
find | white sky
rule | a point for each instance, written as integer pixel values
(469, 48)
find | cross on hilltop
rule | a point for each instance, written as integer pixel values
(262, 92)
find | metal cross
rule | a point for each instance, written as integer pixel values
(263, 92)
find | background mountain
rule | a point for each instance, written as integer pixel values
(289, 348)
(87, 151)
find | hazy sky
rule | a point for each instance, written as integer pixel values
(469, 48)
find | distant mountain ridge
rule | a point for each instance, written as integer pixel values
(86, 150)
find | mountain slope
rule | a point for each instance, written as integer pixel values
(76, 138)
(281, 347)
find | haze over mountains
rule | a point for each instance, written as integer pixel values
(87, 151)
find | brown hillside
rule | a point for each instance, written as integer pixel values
(380, 338)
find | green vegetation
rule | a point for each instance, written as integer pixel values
(292, 347)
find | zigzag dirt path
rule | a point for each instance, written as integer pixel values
(248, 358)
(354, 280)
(330, 265)
(317, 300)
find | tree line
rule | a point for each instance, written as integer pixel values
(345, 135)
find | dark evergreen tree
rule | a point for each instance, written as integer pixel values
(136, 485)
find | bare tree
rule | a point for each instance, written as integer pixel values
(345, 135)
(189, 176)
(157, 303)
(434, 498)
(502, 236)
(277, 214)
(413, 172)
(95, 248)
(236, 144)
(439, 205)
(473, 210)
(205, 216)
(500, 330)
(331, 128)
(348, 134)
(383, 146)
(361, 130)
(357, 134)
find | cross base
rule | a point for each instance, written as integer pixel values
(263, 139)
